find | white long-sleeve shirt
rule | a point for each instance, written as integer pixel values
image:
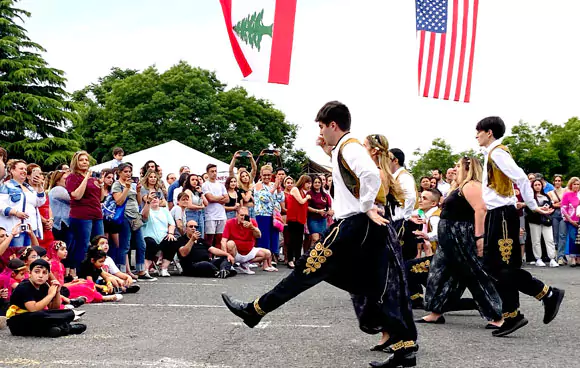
(357, 158)
(508, 166)
(407, 183)
(433, 222)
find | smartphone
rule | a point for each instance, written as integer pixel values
(135, 179)
(96, 175)
(244, 154)
(247, 218)
(269, 152)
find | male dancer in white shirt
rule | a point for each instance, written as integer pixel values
(502, 256)
(359, 235)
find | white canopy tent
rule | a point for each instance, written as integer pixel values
(171, 156)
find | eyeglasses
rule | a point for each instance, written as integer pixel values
(192, 226)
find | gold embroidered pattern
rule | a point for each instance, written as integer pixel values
(258, 309)
(543, 292)
(416, 296)
(421, 267)
(320, 252)
(505, 244)
(403, 345)
(513, 314)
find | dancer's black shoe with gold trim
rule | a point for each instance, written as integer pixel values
(246, 311)
(510, 325)
(552, 303)
(404, 358)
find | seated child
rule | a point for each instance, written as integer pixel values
(10, 277)
(120, 280)
(91, 269)
(27, 315)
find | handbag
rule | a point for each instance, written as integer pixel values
(136, 223)
(112, 212)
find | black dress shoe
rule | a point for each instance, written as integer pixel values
(510, 325)
(55, 332)
(77, 302)
(403, 359)
(77, 328)
(243, 310)
(552, 304)
(438, 321)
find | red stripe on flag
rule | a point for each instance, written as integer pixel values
(238, 53)
(463, 43)
(452, 51)
(421, 51)
(429, 65)
(282, 37)
(470, 71)
(440, 66)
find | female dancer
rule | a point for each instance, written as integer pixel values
(456, 263)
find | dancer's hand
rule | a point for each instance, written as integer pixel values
(544, 211)
(479, 245)
(373, 214)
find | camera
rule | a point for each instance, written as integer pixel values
(23, 227)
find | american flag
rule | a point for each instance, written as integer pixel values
(446, 40)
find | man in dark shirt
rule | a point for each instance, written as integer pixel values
(27, 316)
(194, 256)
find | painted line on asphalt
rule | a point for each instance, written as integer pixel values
(159, 305)
(162, 363)
(182, 283)
(264, 325)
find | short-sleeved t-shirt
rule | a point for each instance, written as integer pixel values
(89, 206)
(179, 214)
(157, 223)
(26, 292)
(199, 252)
(88, 269)
(145, 191)
(214, 211)
(132, 207)
(243, 237)
(110, 266)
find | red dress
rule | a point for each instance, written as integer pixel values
(47, 237)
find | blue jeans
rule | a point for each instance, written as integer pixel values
(125, 236)
(270, 238)
(571, 248)
(197, 216)
(316, 226)
(559, 230)
(82, 233)
(23, 240)
(231, 214)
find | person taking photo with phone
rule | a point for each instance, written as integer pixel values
(240, 154)
(86, 216)
(19, 202)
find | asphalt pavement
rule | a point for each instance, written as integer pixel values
(180, 322)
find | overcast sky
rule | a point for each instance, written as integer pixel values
(361, 52)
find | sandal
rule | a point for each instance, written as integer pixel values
(271, 269)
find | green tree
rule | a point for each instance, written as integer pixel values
(251, 29)
(34, 112)
(439, 156)
(139, 110)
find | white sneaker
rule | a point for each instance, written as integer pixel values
(540, 263)
(532, 263)
(244, 268)
(119, 297)
(253, 265)
(553, 263)
(164, 273)
(69, 306)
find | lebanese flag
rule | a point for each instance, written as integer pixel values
(261, 33)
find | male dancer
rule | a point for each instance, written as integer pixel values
(359, 233)
(502, 257)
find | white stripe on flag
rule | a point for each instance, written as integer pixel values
(469, 21)
(457, 59)
(433, 82)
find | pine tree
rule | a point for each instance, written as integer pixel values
(251, 29)
(34, 111)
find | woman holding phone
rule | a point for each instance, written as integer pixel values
(19, 202)
(86, 216)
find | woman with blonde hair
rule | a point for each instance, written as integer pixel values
(151, 183)
(456, 263)
(86, 216)
(245, 186)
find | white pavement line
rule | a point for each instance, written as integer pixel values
(263, 325)
(162, 363)
(159, 305)
(181, 283)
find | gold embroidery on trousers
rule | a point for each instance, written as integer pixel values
(505, 244)
(543, 292)
(320, 252)
(403, 345)
(416, 296)
(258, 309)
(421, 267)
(513, 314)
